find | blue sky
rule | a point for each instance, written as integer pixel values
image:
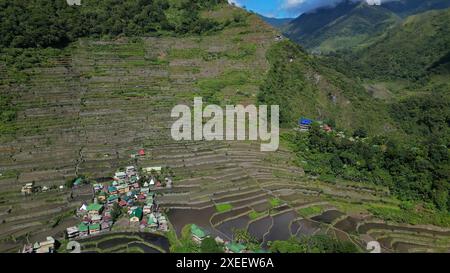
(282, 8)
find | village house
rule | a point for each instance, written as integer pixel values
(81, 211)
(47, 246)
(234, 248)
(152, 222)
(150, 170)
(148, 209)
(120, 175)
(96, 218)
(73, 2)
(219, 240)
(72, 232)
(145, 190)
(162, 223)
(136, 215)
(123, 203)
(112, 190)
(94, 229)
(168, 182)
(105, 225)
(102, 197)
(113, 198)
(97, 187)
(130, 170)
(94, 209)
(27, 188)
(83, 230)
(198, 235)
(305, 124)
(121, 189)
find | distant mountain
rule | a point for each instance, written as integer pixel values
(276, 22)
(409, 7)
(352, 24)
(421, 43)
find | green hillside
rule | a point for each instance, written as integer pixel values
(410, 50)
(351, 25)
(303, 87)
(405, 8)
(346, 26)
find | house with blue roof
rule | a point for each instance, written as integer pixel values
(305, 124)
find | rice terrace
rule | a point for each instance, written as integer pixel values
(86, 151)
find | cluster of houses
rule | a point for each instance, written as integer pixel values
(30, 188)
(130, 193)
(198, 235)
(304, 125)
(96, 217)
(47, 246)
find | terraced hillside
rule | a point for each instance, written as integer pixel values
(88, 109)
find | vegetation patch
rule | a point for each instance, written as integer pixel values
(310, 211)
(224, 207)
(275, 202)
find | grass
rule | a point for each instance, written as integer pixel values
(275, 202)
(255, 215)
(224, 207)
(412, 217)
(310, 211)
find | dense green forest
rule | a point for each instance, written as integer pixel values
(42, 23)
(413, 171)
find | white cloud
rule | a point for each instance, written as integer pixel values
(293, 3)
(236, 2)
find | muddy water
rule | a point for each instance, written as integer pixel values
(348, 224)
(328, 216)
(307, 227)
(114, 242)
(295, 227)
(145, 248)
(364, 228)
(260, 227)
(182, 217)
(280, 229)
(151, 238)
(230, 214)
(228, 227)
(260, 207)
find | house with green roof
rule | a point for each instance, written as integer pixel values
(83, 229)
(136, 215)
(234, 248)
(113, 198)
(78, 181)
(94, 209)
(102, 196)
(197, 233)
(152, 221)
(94, 228)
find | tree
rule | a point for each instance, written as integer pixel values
(209, 245)
(116, 212)
(360, 132)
